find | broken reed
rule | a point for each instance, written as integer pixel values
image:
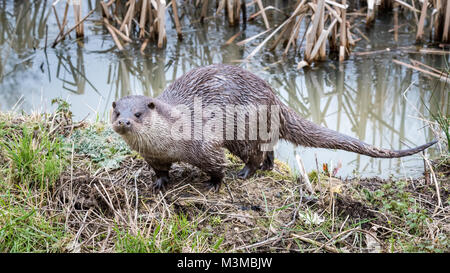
(326, 22)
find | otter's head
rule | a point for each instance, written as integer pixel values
(130, 113)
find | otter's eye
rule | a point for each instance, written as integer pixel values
(138, 115)
(117, 113)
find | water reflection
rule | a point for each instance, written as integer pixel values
(363, 98)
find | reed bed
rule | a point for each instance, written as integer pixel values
(433, 13)
(315, 28)
(148, 18)
(328, 27)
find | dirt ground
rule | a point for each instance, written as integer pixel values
(272, 211)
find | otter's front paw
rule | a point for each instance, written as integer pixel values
(213, 184)
(246, 172)
(160, 183)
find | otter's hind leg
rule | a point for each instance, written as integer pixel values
(254, 163)
(250, 153)
(268, 161)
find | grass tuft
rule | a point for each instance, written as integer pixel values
(35, 157)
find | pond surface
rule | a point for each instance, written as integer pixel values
(367, 97)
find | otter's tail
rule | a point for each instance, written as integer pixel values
(303, 132)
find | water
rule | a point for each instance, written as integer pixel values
(365, 97)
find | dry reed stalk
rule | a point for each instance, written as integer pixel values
(105, 9)
(126, 23)
(118, 32)
(114, 36)
(143, 18)
(370, 12)
(304, 174)
(298, 9)
(161, 4)
(237, 9)
(259, 12)
(415, 11)
(441, 76)
(446, 34)
(220, 6)
(150, 20)
(437, 71)
(423, 15)
(322, 47)
(293, 28)
(281, 36)
(295, 31)
(230, 11)
(204, 10)
(261, 7)
(343, 38)
(64, 22)
(362, 34)
(79, 30)
(61, 29)
(311, 33)
(243, 42)
(436, 13)
(396, 22)
(334, 13)
(177, 19)
(336, 4)
(322, 40)
(61, 37)
(66, 11)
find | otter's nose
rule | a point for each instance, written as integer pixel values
(122, 126)
(124, 123)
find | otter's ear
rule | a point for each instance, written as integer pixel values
(114, 104)
(151, 105)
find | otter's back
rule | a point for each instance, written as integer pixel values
(219, 85)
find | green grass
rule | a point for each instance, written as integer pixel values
(24, 229)
(408, 215)
(32, 162)
(393, 198)
(36, 160)
(178, 234)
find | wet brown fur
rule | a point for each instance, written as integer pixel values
(221, 85)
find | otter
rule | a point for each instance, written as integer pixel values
(151, 126)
